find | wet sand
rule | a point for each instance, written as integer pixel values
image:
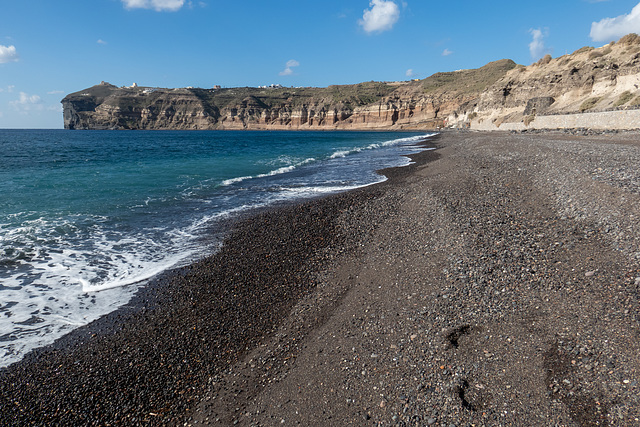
(494, 282)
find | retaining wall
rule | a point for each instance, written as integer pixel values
(623, 119)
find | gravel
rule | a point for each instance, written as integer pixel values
(493, 282)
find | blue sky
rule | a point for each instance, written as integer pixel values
(49, 48)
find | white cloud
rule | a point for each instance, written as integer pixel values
(410, 73)
(381, 17)
(610, 29)
(158, 5)
(289, 67)
(446, 52)
(10, 88)
(8, 54)
(537, 48)
(27, 102)
(55, 92)
(100, 41)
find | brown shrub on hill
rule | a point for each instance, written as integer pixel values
(589, 104)
(600, 53)
(623, 99)
(544, 60)
(630, 39)
(583, 49)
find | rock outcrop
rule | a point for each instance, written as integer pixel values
(500, 95)
(588, 80)
(372, 105)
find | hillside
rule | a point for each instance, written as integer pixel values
(588, 80)
(500, 95)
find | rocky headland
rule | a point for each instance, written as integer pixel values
(593, 87)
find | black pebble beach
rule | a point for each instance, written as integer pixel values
(496, 281)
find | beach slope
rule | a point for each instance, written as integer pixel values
(496, 284)
(493, 282)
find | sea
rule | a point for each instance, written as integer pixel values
(88, 217)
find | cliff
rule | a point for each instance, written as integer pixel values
(590, 80)
(372, 105)
(500, 95)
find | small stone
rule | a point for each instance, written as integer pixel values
(431, 421)
(589, 274)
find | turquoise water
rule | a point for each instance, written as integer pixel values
(87, 216)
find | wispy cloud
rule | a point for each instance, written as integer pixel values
(410, 72)
(537, 48)
(447, 52)
(8, 54)
(381, 17)
(613, 28)
(100, 41)
(158, 5)
(289, 67)
(27, 102)
(55, 92)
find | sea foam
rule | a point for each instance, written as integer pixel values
(64, 267)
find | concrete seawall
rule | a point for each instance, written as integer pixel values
(623, 120)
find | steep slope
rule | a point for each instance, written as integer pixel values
(370, 105)
(588, 80)
(105, 106)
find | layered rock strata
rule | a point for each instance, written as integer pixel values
(398, 105)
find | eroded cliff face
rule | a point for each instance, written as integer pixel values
(373, 105)
(589, 80)
(108, 107)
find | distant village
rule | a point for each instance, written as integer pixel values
(147, 90)
(215, 87)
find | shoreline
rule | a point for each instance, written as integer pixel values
(249, 298)
(494, 281)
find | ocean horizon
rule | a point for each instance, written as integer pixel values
(87, 217)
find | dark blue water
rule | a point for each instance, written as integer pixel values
(87, 217)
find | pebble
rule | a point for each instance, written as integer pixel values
(512, 299)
